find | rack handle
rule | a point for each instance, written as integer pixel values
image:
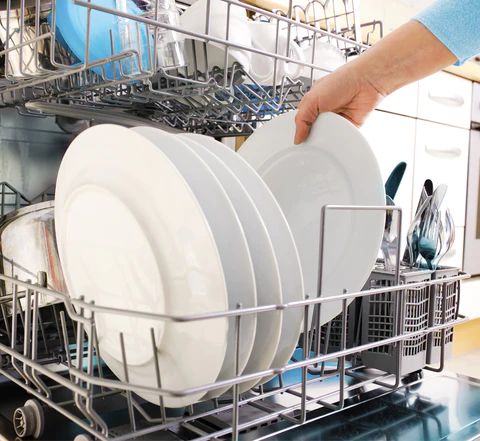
(447, 100)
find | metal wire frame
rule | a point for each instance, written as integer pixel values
(88, 384)
(223, 101)
(11, 198)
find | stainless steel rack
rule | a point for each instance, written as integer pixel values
(223, 101)
(27, 356)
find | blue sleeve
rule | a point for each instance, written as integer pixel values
(456, 23)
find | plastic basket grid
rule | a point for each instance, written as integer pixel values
(451, 291)
(379, 314)
(331, 332)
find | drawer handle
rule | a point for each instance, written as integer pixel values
(443, 151)
(447, 100)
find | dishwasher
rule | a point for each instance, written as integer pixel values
(374, 372)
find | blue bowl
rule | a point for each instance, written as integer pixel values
(71, 26)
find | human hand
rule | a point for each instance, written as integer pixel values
(408, 54)
(345, 92)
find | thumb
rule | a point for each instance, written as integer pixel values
(308, 111)
(307, 114)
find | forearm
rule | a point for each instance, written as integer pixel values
(406, 55)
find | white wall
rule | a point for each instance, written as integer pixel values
(393, 13)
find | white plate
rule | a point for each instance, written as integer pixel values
(283, 245)
(215, 55)
(229, 236)
(267, 277)
(335, 165)
(327, 56)
(127, 240)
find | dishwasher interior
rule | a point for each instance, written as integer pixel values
(387, 335)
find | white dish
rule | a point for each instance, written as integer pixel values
(271, 38)
(267, 277)
(215, 55)
(326, 56)
(229, 236)
(127, 241)
(283, 245)
(335, 165)
(194, 19)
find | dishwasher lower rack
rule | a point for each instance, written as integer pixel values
(66, 333)
(41, 76)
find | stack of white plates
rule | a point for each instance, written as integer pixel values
(181, 225)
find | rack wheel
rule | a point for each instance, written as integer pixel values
(29, 420)
(82, 437)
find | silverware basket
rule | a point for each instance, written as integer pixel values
(385, 315)
(444, 303)
(331, 332)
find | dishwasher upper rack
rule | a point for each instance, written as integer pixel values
(87, 382)
(224, 100)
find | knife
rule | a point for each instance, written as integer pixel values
(427, 191)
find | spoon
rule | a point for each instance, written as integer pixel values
(427, 191)
(432, 238)
(449, 237)
(387, 236)
(437, 199)
(412, 253)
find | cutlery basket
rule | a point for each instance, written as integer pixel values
(331, 332)
(444, 303)
(409, 310)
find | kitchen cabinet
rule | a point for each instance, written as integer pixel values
(392, 138)
(426, 125)
(446, 99)
(403, 101)
(441, 154)
(455, 255)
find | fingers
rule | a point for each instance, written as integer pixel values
(307, 114)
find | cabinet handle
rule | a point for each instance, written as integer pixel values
(447, 100)
(443, 151)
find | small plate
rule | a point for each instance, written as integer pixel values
(127, 240)
(334, 166)
(283, 245)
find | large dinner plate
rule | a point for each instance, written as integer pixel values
(132, 235)
(229, 236)
(334, 166)
(283, 245)
(267, 277)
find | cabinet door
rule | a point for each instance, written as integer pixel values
(445, 98)
(441, 154)
(404, 101)
(392, 138)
